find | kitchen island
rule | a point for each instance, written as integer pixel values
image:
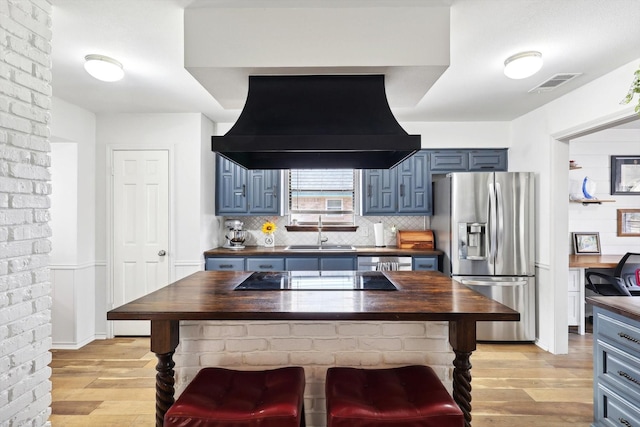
(210, 295)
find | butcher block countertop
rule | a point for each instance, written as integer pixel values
(624, 306)
(280, 250)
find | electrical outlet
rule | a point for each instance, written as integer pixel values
(365, 231)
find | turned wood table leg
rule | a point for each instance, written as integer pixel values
(462, 384)
(165, 335)
(462, 337)
(164, 386)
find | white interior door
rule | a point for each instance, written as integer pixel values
(140, 229)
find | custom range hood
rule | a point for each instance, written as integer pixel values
(316, 122)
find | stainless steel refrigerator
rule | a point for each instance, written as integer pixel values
(484, 223)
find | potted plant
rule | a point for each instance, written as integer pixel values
(635, 88)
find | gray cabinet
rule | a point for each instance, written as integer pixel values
(265, 264)
(445, 161)
(425, 263)
(616, 369)
(246, 192)
(222, 264)
(402, 190)
(322, 263)
(340, 263)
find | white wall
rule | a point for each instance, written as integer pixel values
(537, 144)
(592, 153)
(74, 270)
(186, 136)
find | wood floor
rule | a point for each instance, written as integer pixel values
(111, 383)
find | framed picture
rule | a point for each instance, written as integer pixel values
(586, 243)
(628, 222)
(625, 175)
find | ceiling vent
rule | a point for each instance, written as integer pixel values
(554, 81)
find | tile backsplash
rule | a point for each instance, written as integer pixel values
(362, 237)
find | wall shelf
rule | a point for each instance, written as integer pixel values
(574, 167)
(590, 201)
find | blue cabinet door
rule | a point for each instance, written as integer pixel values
(379, 191)
(488, 160)
(338, 263)
(264, 191)
(302, 264)
(224, 264)
(445, 161)
(427, 263)
(265, 264)
(231, 187)
(414, 185)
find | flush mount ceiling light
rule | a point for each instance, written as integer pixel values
(103, 68)
(523, 65)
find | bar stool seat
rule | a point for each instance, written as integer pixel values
(409, 396)
(218, 397)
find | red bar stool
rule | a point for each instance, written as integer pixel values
(410, 396)
(219, 397)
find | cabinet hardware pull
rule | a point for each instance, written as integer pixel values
(369, 190)
(226, 266)
(628, 377)
(624, 422)
(401, 190)
(266, 266)
(244, 190)
(628, 337)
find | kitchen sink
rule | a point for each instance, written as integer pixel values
(313, 248)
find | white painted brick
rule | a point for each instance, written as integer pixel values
(246, 344)
(357, 329)
(405, 329)
(224, 330)
(313, 329)
(269, 330)
(290, 344)
(266, 359)
(15, 217)
(11, 122)
(335, 344)
(358, 359)
(21, 170)
(381, 344)
(404, 358)
(306, 358)
(222, 359)
(189, 330)
(13, 185)
(198, 346)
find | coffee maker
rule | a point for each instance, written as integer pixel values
(235, 234)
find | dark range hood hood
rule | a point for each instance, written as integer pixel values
(316, 122)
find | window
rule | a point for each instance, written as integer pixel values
(325, 193)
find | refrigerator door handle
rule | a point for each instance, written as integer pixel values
(500, 216)
(493, 244)
(476, 282)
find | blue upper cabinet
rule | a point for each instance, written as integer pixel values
(402, 190)
(414, 189)
(246, 192)
(488, 160)
(445, 161)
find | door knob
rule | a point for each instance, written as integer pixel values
(162, 252)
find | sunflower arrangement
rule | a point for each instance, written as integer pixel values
(269, 227)
(635, 88)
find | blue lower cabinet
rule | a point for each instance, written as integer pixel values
(265, 264)
(222, 264)
(338, 263)
(302, 264)
(429, 263)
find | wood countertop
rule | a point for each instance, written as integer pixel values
(624, 306)
(280, 250)
(210, 295)
(594, 261)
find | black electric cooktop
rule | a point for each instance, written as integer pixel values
(316, 281)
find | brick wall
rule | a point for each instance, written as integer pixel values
(314, 345)
(25, 318)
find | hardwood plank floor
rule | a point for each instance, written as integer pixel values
(111, 383)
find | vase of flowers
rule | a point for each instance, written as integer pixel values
(268, 228)
(633, 89)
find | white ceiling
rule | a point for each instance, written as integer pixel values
(591, 37)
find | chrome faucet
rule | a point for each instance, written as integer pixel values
(321, 239)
